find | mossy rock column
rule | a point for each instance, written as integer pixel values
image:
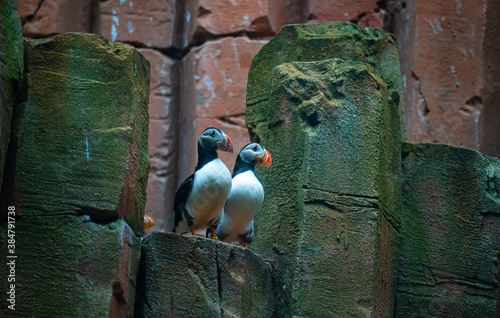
(316, 42)
(79, 141)
(193, 277)
(76, 173)
(11, 70)
(329, 215)
(450, 233)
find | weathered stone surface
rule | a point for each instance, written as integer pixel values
(79, 141)
(67, 266)
(448, 60)
(489, 122)
(48, 17)
(187, 153)
(163, 129)
(27, 8)
(332, 194)
(220, 71)
(450, 238)
(11, 71)
(339, 10)
(362, 12)
(197, 277)
(317, 42)
(158, 24)
(261, 17)
(376, 19)
(126, 21)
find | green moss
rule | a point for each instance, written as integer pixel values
(317, 42)
(334, 141)
(11, 71)
(449, 233)
(80, 132)
(195, 277)
(65, 263)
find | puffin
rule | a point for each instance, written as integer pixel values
(200, 198)
(245, 198)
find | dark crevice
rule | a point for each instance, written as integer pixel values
(341, 194)
(388, 215)
(439, 281)
(474, 102)
(312, 16)
(198, 41)
(97, 215)
(141, 300)
(219, 280)
(31, 17)
(385, 6)
(230, 119)
(359, 17)
(202, 11)
(423, 108)
(118, 293)
(325, 203)
(394, 6)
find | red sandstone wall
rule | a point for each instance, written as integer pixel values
(448, 61)
(200, 52)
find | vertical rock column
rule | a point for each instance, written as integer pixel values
(333, 126)
(193, 277)
(76, 174)
(450, 239)
(11, 71)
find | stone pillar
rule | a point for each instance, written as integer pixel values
(11, 71)
(76, 174)
(333, 126)
(193, 277)
(450, 238)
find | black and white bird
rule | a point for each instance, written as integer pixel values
(200, 198)
(246, 196)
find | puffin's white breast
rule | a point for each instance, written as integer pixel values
(211, 187)
(243, 203)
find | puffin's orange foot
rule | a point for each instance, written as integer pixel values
(191, 228)
(213, 235)
(245, 245)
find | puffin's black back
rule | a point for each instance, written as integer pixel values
(181, 197)
(182, 194)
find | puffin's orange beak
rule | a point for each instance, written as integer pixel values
(148, 222)
(265, 161)
(226, 144)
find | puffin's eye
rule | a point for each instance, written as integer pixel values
(213, 133)
(254, 148)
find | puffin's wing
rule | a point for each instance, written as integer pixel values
(181, 197)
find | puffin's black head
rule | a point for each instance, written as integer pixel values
(255, 153)
(215, 139)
